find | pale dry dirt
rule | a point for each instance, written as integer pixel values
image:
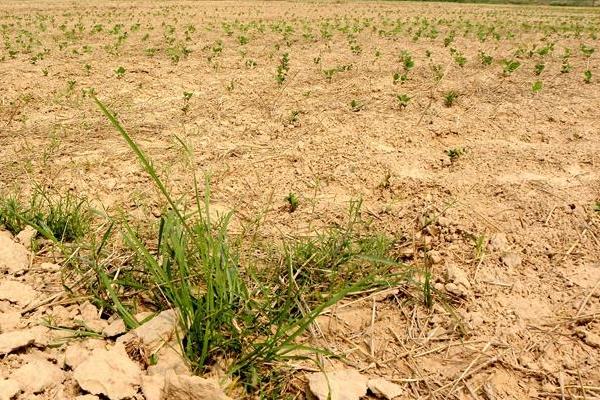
(522, 314)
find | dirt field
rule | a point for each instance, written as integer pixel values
(485, 173)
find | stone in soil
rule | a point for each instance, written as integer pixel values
(9, 388)
(14, 257)
(511, 260)
(110, 373)
(38, 375)
(344, 384)
(187, 387)
(154, 333)
(17, 292)
(11, 341)
(383, 388)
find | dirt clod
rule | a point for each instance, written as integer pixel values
(344, 384)
(109, 372)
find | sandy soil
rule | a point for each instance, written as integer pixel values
(527, 307)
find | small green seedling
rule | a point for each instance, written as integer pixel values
(587, 76)
(403, 100)
(537, 86)
(587, 51)
(356, 105)
(450, 97)
(283, 68)
(510, 66)
(486, 59)
(186, 101)
(539, 68)
(292, 202)
(455, 153)
(120, 72)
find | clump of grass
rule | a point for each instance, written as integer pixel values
(61, 218)
(226, 313)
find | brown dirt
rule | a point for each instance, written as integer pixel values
(529, 172)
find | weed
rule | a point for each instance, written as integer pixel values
(537, 86)
(251, 324)
(587, 76)
(61, 218)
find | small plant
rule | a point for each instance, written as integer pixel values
(539, 68)
(587, 51)
(186, 101)
(510, 66)
(597, 207)
(283, 68)
(356, 105)
(449, 39)
(87, 68)
(407, 61)
(293, 119)
(455, 153)
(537, 86)
(292, 202)
(120, 72)
(587, 76)
(399, 78)
(460, 59)
(403, 100)
(450, 97)
(486, 59)
(565, 67)
(438, 72)
(243, 40)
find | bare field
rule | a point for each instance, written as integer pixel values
(470, 135)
